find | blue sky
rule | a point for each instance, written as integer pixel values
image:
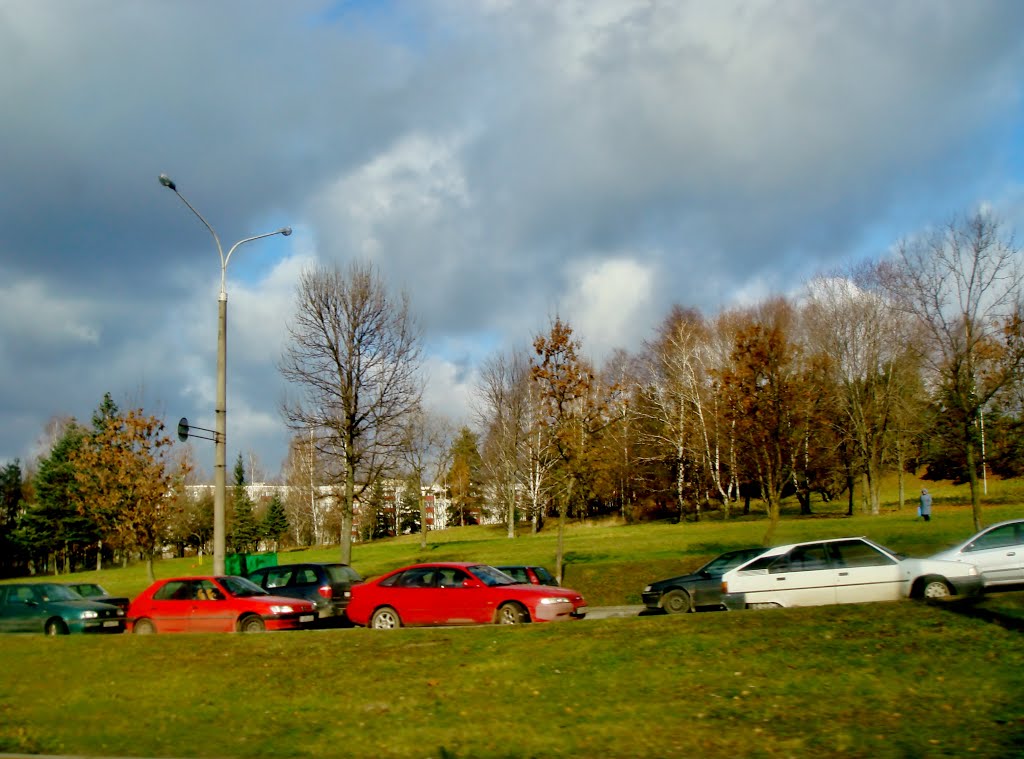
(503, 161)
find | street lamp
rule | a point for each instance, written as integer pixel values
(220, 435)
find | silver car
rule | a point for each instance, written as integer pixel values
(842, 570)
(998, 551)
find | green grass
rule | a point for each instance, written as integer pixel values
(879, 680)
(882, 680)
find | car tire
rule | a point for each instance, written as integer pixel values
(933, 588)
(252, 624)
(385, 618)
(55, 627)
(511, 613)
(677, 601)
(143, 627)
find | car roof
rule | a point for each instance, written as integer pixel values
(776, 550)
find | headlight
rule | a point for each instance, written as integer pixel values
(647, 589)
(281, 609)
(555, 601)
(90, 614)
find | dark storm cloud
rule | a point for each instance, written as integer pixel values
(501, 160)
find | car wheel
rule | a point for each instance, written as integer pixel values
(385, 618)
(511, 614)
(935, 587)
(252, 624)
(677, 602)
(143, 627)
(56, 627)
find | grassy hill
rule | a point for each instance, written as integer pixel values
(874, 680)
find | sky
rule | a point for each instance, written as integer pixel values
(502, 161)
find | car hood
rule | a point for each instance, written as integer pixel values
(79, 606)
(544, 591)
(681, 579)
(284, 600)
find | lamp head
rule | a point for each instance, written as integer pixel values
(285, 231)
(166, 182)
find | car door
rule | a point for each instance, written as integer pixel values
(998, 552)
(19, 611)
(212, 610)
(413, 596)
(171, 606)
(460, 600)
(801, 577)
(864, 573)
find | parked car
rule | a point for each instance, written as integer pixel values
(95, 592)
(215, 604)
(998, 551)
(51, 608)
(843, 570)
(530, 575)
(454, 593)
(699, 590)
(327, 586)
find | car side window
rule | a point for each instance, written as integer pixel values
(275, 578)
(417, 578)
(174, 591)
(857, 553)
(1000, 537)
(452, 578)
(517, 573)
(305, 576)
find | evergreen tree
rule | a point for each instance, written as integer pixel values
(245, 533)
(10, 504)
(275, 521)
(52, 526)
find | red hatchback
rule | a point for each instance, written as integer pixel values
(215, 604)
(458, 593)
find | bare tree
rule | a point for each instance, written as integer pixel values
(866, 342)
(962, 283)
(354, 355)
(427, 444)
(502, 409)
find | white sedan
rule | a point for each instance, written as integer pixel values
(998, 551)
(842, 570)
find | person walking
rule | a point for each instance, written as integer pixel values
(925, 509)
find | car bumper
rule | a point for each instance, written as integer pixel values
(734, 601)
(295, 621)
(99, 626)
(651, 599)
(559, 612)
(969, 586)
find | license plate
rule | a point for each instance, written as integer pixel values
(306, 618)
(112, 623)
(581, 610)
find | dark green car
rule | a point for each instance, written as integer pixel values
(54, 609)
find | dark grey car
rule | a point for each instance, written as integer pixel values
(327, 586)
(700, 590)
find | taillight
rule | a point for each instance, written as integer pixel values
(725, 587)
(326, 591)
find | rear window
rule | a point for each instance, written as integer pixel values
(342, 573)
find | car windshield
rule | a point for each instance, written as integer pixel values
(88, 589)
(722, 564)
(491, 577)
(240, 587)
(50, 592)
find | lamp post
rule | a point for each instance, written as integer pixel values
(220, 434)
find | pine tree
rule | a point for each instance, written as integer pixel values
(245, 533)
(275, 522)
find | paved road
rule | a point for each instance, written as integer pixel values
(604, 612)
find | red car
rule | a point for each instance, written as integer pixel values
(215, 604)
(458, 593)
